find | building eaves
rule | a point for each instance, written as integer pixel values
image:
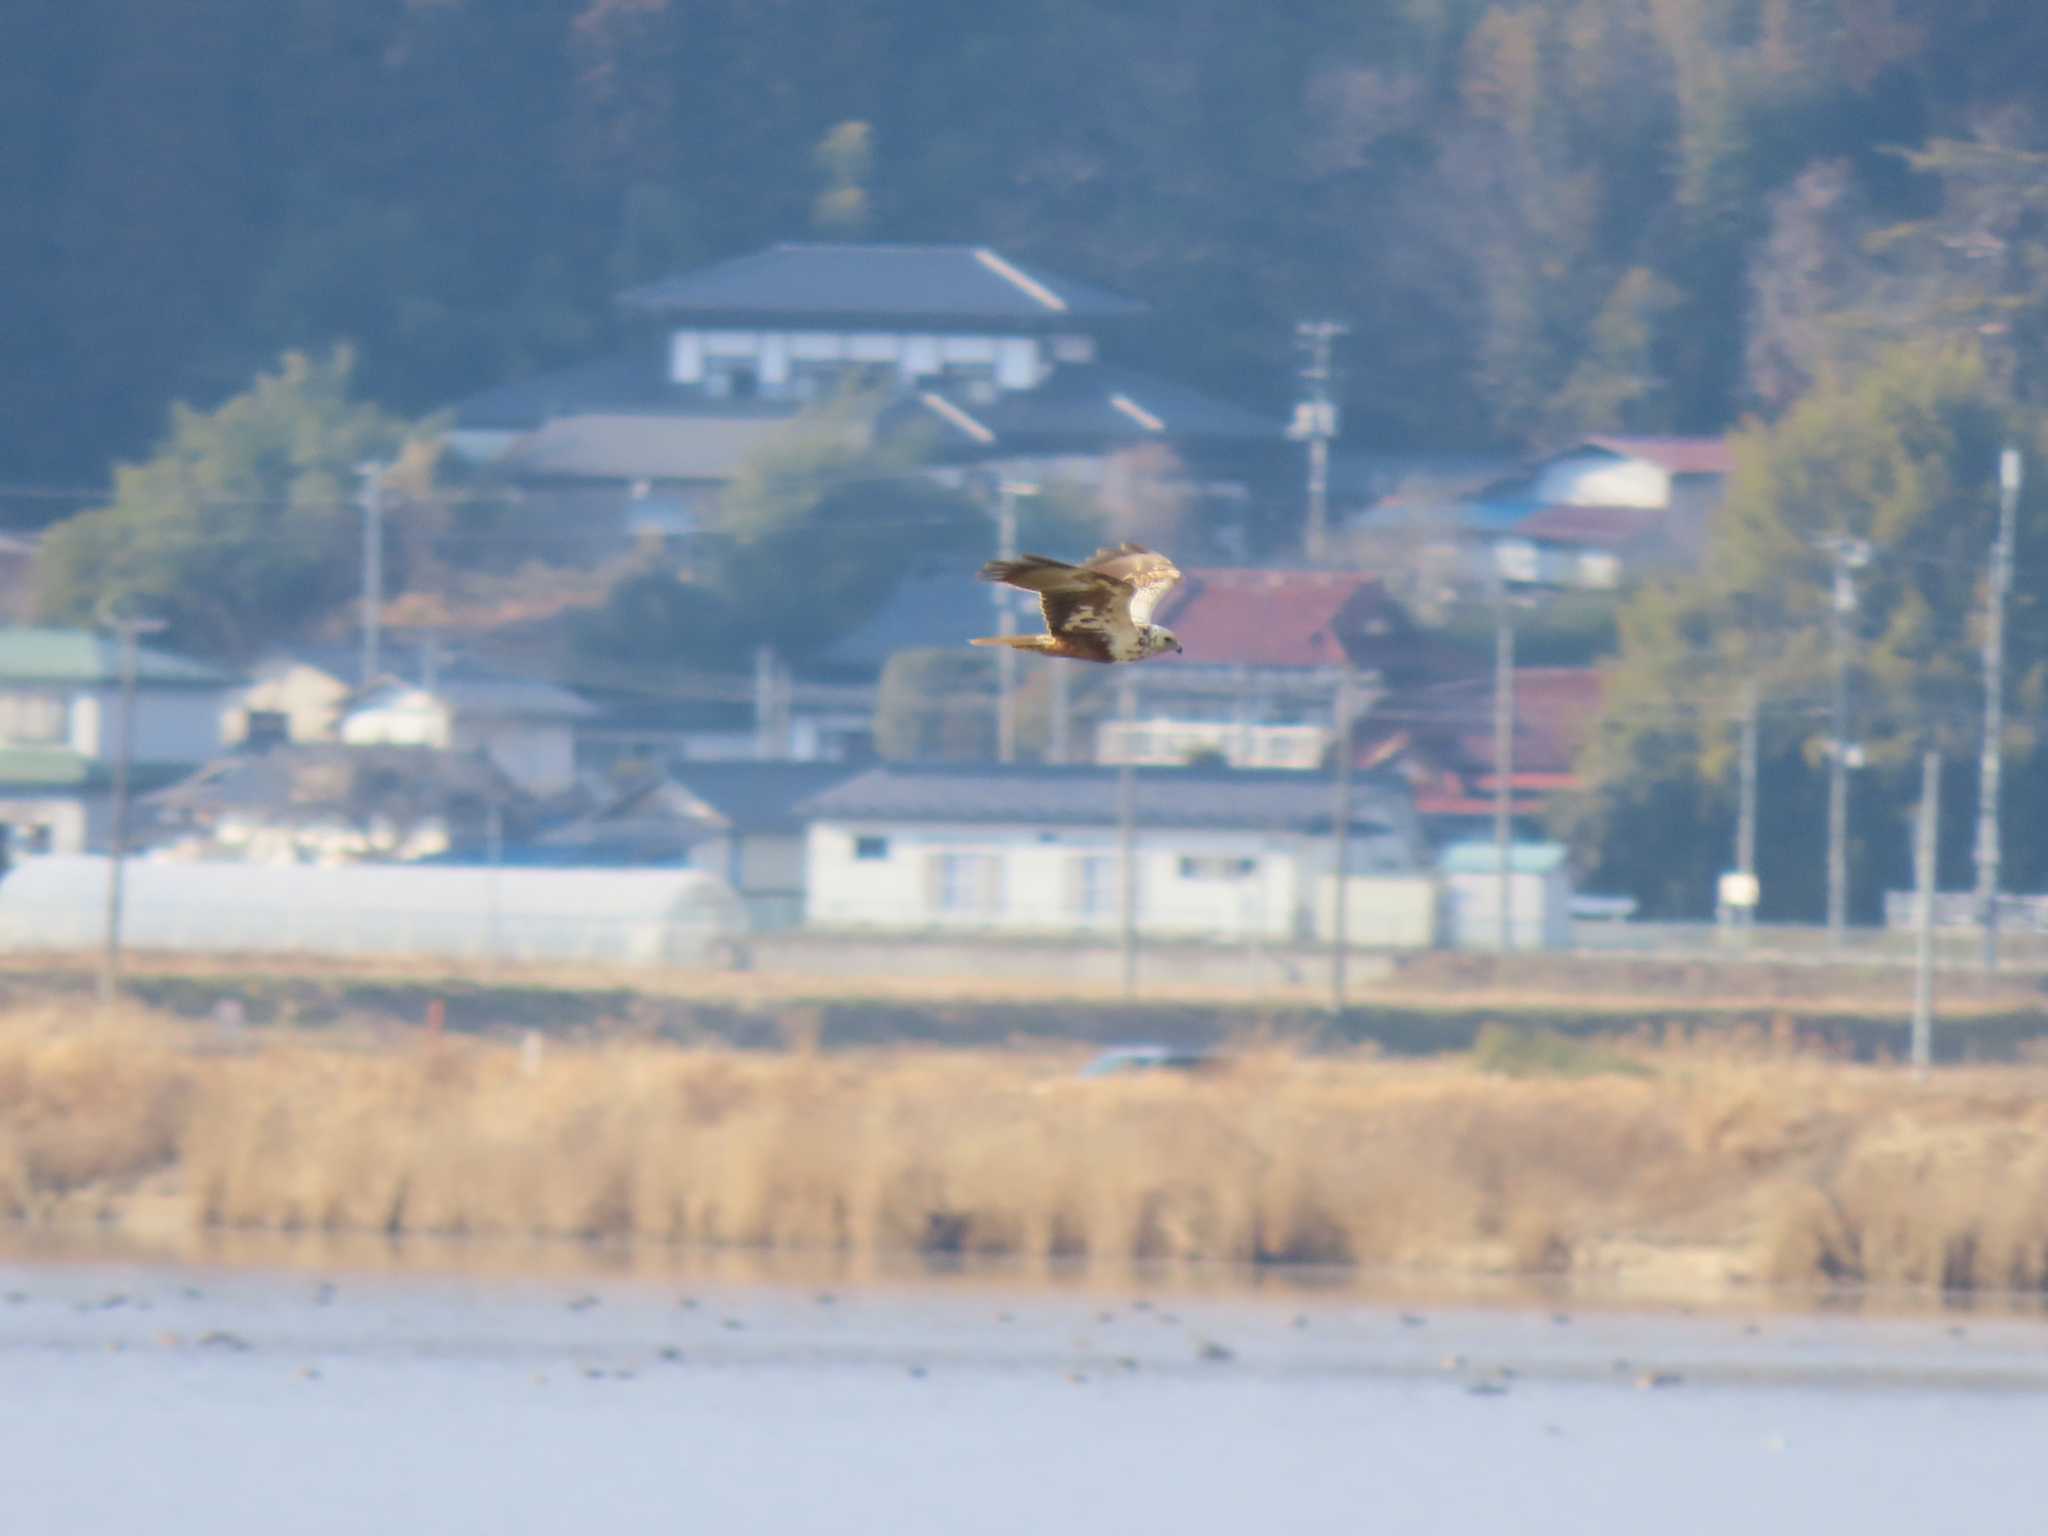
(954, 284)
(1184, 797)
(79, 657)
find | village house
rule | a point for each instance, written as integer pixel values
(1438, 736)
(1036, 851)
(1597, 514)
(525, 726)
(738, 821)
(1258, 684)
(327, 803)
(60, 731)
(997, 365)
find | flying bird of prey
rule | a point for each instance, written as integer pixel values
(1098, 611)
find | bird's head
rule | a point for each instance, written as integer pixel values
(1159, 640)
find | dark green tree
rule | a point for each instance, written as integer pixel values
(1904, 461)
(241, 530)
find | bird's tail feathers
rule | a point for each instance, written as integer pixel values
(1016, 642)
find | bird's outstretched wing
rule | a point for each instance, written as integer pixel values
(1094, 610)
(1150, 576)
(1080, 605)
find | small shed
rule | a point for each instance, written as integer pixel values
(1539, 896)
(473, 912)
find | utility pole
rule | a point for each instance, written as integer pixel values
(772, 690)
(128, 630)
(1007, 492)
(1503, 761)
(1315, 421)
(2009, 472)
(1340, 914)
(1745, 805)
(372, 500)
(1058, 748)
(1923, 916)
(1127, 836)
(1849, 554)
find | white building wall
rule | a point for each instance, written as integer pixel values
(539, 756)
(686, 357)
(1539, 910)
(172, 725)
(1190, 883)
(1600, 480)
(414, 719)
(56, 824)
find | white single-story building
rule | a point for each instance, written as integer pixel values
(1539, 893)
(1036, 850)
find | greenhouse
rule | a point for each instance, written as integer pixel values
(614, 916)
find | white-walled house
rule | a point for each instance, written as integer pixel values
(1258, 683)
(60, 730)
(526, 727)
(1035, 850)
(986, 360)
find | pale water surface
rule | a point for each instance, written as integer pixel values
(177, 1401)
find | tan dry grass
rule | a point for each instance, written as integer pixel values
(1799, 1169)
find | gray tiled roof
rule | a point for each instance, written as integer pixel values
(763, 796)
(88, 657)
(472, 689)
(1096, 405)
(631, 381)
(924, 609)
(308, 780)
(1185, 797)
(938, 283)
(620, 447)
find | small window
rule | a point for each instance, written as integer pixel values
(871, 847)
(30, 716)
(1192, 868)
(1093, 885)
(969, 883)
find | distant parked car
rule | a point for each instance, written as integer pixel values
(1124, 1059)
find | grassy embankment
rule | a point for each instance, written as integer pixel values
(1672, 1167)
(1432, 1003)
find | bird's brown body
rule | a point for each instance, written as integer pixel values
(1099, 611)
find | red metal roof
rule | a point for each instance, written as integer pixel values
(1451, 723)
(1678, 455)
(1261, 618)
(1472, 805)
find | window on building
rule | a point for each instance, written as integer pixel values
(871, 847)
(976, 381)
(966, 882)
(1210, 868)
(731, 381)
(263, 729)
(28, 715)
(1092, 885)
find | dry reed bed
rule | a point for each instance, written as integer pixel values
(1795, 1169)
